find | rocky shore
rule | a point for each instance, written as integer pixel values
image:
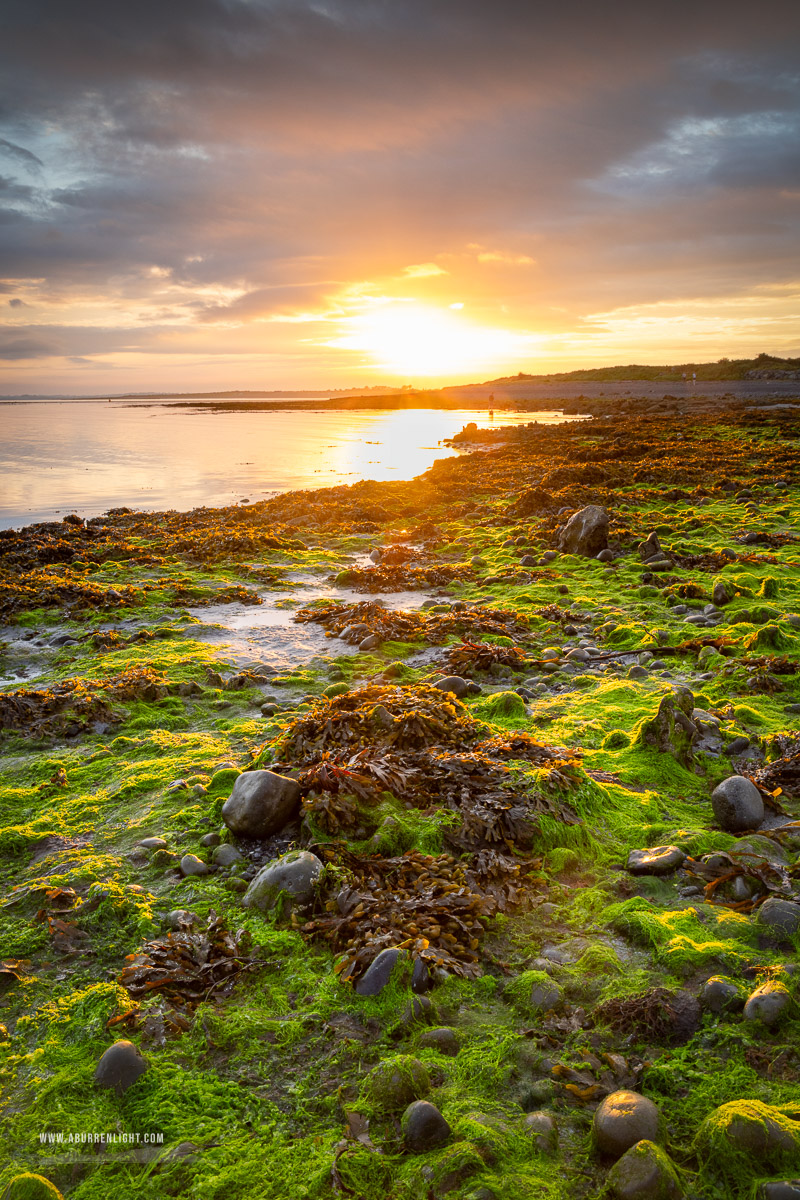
(490, 890)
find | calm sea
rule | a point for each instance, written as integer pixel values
(58, 457)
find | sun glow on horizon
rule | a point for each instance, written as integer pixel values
(414, 339)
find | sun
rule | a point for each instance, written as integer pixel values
(414, 339)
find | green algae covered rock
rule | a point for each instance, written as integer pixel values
(644, 1173)
(395, 1083)
(671, 730)
(31, 1187)
(504, 704)
(534, 992)
(616, 739)
(748, 1128)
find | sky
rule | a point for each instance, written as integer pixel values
(218, 194)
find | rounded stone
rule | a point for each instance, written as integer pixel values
(424, 1128)
(226, 855)
(421, 980)
(546, 995)
(295, 873)
(443, 1040)
(751, 1127)
(454, 684)
(737, 746)
(658, 860)
(210, 839)
(29, 1186)
(768, 1003)
(153, 843)
(395, 1082)
(737, 804)
(260, 804)
(192, 865)
(637, 672)
(379, 972)
(644, 1173)
(543, 1131)
(784, 1189)
(782, 916)
(586, 532)
(119, 1067)
(721, 995)
(623, 1119)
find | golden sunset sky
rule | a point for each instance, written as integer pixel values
(201, 194)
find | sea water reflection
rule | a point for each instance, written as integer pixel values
(86, 457)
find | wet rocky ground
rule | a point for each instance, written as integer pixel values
(417, 839)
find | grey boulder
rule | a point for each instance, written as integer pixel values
(295, 873)
(543, 1131)
(783, 916)
(192, 865)
(623, 1119)
(119, 1067)
(424, 1127)
(768, 1003)
(658, 860)
(644, 1173)
(586, 532)
(226, 855)
(456, 685)
(737, 804)
(721, 995)
(260, 804)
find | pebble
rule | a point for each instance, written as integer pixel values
(260, 804)
(457, 686)
(658, 860)
(180, 918)
(192, 865)
(546, 995)
(722, 995)
(421, 981)
(623, 1119)
(226, 855)
(379, 972)
(442, 1039)
(153, 843)
(119, 1067)
(751, 1127)
(637, 672)
(424, 1128)
(295, 873)
(737, 746)
(543, 1131)
(210, 839)
(644, 1173)
(737, 804)
(780, 915)
(768, 1003)
(787, 1189)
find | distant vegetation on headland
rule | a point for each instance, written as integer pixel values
(724, 368)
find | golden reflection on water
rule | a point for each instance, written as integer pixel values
(64, 456)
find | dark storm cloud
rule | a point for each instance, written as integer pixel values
(277, 149)
(21, 155)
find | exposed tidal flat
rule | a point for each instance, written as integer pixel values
(470, 870)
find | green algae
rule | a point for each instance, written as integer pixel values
(266, 1076)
